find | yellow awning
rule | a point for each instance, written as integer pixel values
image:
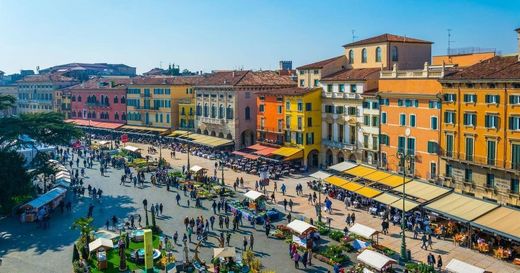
(460, 207)
(289, 153)
(352, 186)
(422, 191)
(336, 181)
(392, 181)
(178, 133)
(205, 140)
(360, 171)
(502, 220)
(377, 175)
(408, 204)
(368, 192)
(386, 198)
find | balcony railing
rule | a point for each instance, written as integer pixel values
(270, 130)
(478, 160)
(212, 120)
(97, 105)
(338, 145)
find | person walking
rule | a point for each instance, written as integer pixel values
(245, 243)
(251, 241)
(228, 238)
(291, 203)
(439, 263)
(430, 241)
(424, 242)
(285, 204)
(304, 258)
(431, 260)
(296, 259)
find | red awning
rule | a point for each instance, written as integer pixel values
(260, 149)
(246, 155)
(257, 147)
(94, 124)
(266, 151)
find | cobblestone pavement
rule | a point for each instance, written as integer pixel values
(26, 249)
(447, 249)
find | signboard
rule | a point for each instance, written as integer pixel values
(124, 138)
(148, 250)
(299, 241)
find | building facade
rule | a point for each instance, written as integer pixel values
(480, 132)
(99, 99)
(154, 101)
(410, 100)
(309, 76)
(187, 114)
(226, 103)
(41, 93)
(270, 118)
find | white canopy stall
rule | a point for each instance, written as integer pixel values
(131, 149)
(100, 242)
(343, 166)
(196, 168)
(253, 195)
(303, 230)
(320, 175)
(457, 266)
(364, 231)
(375, 260)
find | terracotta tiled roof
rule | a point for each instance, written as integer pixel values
(245, 78)
(102, 83)
(320, 64)
(293, 91)
(358, 74)
(166, 80)
(497, 68)
(388, 38)
(46, 78)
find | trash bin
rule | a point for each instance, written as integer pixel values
(409, 255)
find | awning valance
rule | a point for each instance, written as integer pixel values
(457, 266)
(359, 171)
(392, 181)
(368, 192)
(502, 221)
(336, 181)
(246, 155)
(94, 124)
(143, 129)
(461, 208)
(320, 175)
(204, 140)
(343, 166)
(408, 204)
(386, 198)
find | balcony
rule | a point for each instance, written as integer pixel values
(270, 130)
(214, 121)
(341, 95)
(476, 160)
(97, 105)
(338, 145)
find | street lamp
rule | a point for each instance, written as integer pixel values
(160, 150)
(188, 135)
(404, 156)
(221, 163)
(318, 206)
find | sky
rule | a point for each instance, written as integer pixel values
(235, 34)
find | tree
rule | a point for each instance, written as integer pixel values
(43, 167)
(7, 101)
(84, 225)
(15, 182)
(75, 254)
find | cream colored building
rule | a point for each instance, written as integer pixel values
(309, 75)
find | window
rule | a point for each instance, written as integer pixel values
(491, 152)
(213, 111)
(339, 109)
(288, 105)
(261, 108)
(366, 105)
(384, 139)
(261, 98)
(374, 143)
(353, 88)
(300, 123)
(309, 122)
(229, 112)
(432, 147)
(123, 100)
(515, 156)
(433, 170)
(395, 54)
(365, 141)
(300, 106)
(384, 101)
(402, 119)
(299, 138)
(434, 124)
(515, 185)
(450, 97)
(470, 119)
(329, 87)
(116, 100)
(383, 118)
(514, 99)
(288, 122)
(449, 170)
(302, 72)
(449, 145)
(310, 138)
(491, 121)
(280, 109)
(352, 111)
(493, 99)
(411, 146)
(433, 104)
(316, 71)
(248, 113)
(399, 102)
(341, 88)
(378, 54)
(449, 117)
(375, 105)
(490, 180)
(366, 120)
(375, 121)
(220, 111)
(79, 98)
(308, 106)
(364, 55)
(351, 56)
(400, 144)
(206, 110)
(302, 83)
(469, 148)
(316, 83)
(468, 175)
(412, 120)
(514, 123)
(470, 98)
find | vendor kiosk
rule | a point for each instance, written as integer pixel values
(375, 260)
(42, 205)
(303, 233)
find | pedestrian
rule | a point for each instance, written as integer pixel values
(214, 206)
(430, 242)
(353, 218)
(439, 263)
(175, 237)
(291, 203)
(285, 204)
(267, 229)
(296, 259)
(348, 220)
(431, 260)
(245, 243)
(178, 198)
(304, 258)
(424, 242)
(139, 219)
(289, 217)
(228, 238)
(161, 208)
(251, 241)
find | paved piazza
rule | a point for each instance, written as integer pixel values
(25, 249)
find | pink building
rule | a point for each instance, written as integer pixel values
(100, 99)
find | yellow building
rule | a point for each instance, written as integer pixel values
(480, 131)
(302, 124)
(154, 101)
(187, 114)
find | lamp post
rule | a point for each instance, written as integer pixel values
(404, 156)
(221, 164)
(319, 200)
(188, 135)
(160, 150)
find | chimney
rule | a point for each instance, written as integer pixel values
(518, 38)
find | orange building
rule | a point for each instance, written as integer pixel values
(410, 100)
(270, 118)
(463, 60)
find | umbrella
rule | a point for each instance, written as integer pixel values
(224, 252)
(100, 242)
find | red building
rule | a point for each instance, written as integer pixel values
(100, 99)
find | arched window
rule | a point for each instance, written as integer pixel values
(73, 98)
(213, 111)
(221, 111)
(199, 110)
(364, 55)
(248, 113)
(123, 116)
(378, 54)
(106, 100)
(351, 56)
(206, 110)
(116, 116)
(229, 112)
(116, 100)
(395, 54)
(79, 98)
(123, 100)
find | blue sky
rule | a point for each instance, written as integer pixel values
(227, 34)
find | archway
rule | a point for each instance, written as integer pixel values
(198, 131)
(313, 159)
(229, 136)
(247, 138)
(341, 157)
(213, 133)
(206, 132)
(221, 135)
(328, 158)
(352, 158)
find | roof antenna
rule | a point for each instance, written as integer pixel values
(449, 41)
(354, 35)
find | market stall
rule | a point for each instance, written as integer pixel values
(365, 232)
(101, 246)
(303, 233)
(132, 149)
(343, 166)
(320, 175)
(457, 266)
(375, 260)
(198, 172)
(257, 201)
(41, 206)
(253, 207)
